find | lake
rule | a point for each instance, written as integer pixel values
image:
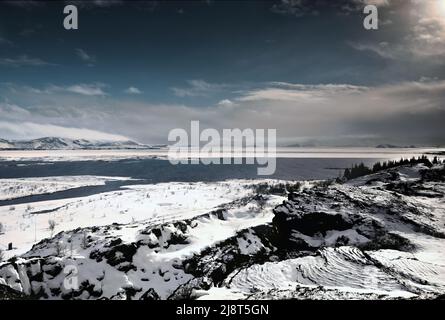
(151, 166)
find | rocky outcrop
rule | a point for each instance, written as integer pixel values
(373, 237)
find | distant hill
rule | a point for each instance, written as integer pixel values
(387, 145)
(54, 143)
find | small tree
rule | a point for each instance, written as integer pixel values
(60, 248)
(1, 255)
(51, 226)
(261, 202)
(84, 243)
(2, 228)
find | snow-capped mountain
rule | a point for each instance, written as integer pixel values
(5, 144)
(54, 143)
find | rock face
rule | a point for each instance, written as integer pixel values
(7, 293)
(377, 237)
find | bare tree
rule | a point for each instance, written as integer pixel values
(51, 226)
(60, 248)
(261, 202)
(84, 243)
(70, 241)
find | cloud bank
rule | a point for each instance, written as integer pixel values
(329, 114)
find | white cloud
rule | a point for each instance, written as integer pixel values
(87, 89)
(84, 56)
(422, 38)
(13, 111)
(298, 92)
(226, 103)
(133, 90)
(332, 114)
(23, 61)
(198, 88)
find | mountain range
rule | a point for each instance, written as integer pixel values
(55, 143)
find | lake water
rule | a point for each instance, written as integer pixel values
(292, 164)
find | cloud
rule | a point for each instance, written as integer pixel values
(28, 4)
(281, 91)
(87, 89)
(96, 3)
(324, 114)
(146, 5)
(13, 111)
(378, 3)
(30, 130)
(299, 8)
(133, 90)
(226, 103)
(84, 56)
(27, 32)
(383, 49)
(4, 41)
(198, 88)
(23, 61)
(422, 37)
(333, 114)
(296, 8)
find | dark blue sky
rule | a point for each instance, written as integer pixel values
(198, 56)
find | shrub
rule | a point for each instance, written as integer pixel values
(51, 226)
(60, 248)
(362, 170)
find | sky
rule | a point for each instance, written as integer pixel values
(308, 68)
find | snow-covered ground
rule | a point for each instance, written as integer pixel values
(28, 223)
(155, 264)
(375, 237)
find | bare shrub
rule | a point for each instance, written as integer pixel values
(84, 243)
(60, 248)
(51, 226)
(261, 202)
